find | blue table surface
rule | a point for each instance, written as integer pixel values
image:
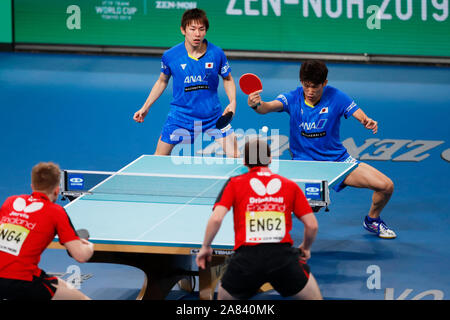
(175, 224)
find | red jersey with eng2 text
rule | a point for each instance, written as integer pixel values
(28, 223)
(263, 203)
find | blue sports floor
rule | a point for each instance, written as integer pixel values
(77, 110)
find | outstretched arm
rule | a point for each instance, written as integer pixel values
(367, 122)
(262, 107)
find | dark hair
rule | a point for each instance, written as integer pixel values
(45, 176)
(256, 153)
(194, 15)
(314, 71)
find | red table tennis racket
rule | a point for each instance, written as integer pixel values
(249, 83)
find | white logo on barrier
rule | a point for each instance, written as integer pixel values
(176, 5)
(273, 186)
(373, 21)
(312, 189)
(73, 21)
(399, 10)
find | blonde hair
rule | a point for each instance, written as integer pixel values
(45, 176)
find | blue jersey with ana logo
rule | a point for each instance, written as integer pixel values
(195, 82)
(314, 130)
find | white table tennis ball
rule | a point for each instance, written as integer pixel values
(264, 129)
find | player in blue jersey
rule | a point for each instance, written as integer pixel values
(195, 66)
(315, 111)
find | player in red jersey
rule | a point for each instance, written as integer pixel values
(263, 203)
(28, 223)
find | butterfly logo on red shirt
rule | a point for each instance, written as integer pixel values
(272, 187)
(20, 205)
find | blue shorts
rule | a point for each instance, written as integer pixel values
(174, 131)
(347, 158)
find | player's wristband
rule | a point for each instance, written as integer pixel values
(256, 106)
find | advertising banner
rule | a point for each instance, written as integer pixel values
(382, 27)
(5, 22)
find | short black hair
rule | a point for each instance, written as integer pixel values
(314, 71)
(256, 153)
(194, 15)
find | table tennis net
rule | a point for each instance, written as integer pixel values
(140, 187)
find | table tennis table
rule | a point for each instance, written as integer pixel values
(153, 213)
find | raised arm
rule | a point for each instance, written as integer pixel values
(262, 107)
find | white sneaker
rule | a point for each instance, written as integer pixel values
(380, 228)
